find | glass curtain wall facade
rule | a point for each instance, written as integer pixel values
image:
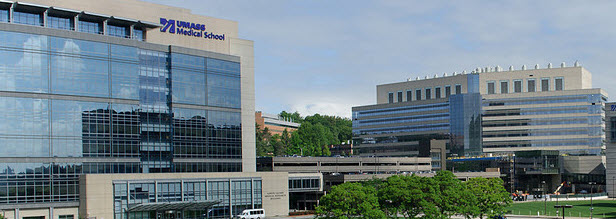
(572, 124)
(72, 106)
(243, 193)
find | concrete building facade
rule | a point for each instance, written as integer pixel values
(487, 111)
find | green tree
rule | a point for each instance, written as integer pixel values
(262, 141)
(295, 117)
(490, 196)
(350, 200)
(451, 193)
(276, 145)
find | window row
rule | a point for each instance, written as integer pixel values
(427, 94)
(531, 85)
(84, 24)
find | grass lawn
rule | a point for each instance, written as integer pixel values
(580, 208)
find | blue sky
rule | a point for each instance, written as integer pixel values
(325, 57)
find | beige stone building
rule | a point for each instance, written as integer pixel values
(128, 109)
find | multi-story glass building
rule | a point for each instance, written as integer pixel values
(486, 111)
(126, 89)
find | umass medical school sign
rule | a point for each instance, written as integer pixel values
(188, 29)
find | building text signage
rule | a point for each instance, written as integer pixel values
(188, 29)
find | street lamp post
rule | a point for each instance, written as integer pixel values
(545, 199)
(591, 192)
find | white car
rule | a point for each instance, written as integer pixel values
(252, 213)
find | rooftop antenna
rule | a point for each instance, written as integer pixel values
(550, 65)
(562, 65)
(511, 68)
(464, 72)
(523, 67)
(435, 76)
(576, 64)
(445, 74)
(536, 66)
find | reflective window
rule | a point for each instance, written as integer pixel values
(124, 53)
(517, 86)
(189, 86)
(23, 41)
(23, 71)
(558, 83)
(458, 89)
(25, 127)
(138, 34)
(418, 94)
(531, 87)
(399, 96)
(490, 87)
(80, 127)
(225, 67)
(124, 80)
(79, 47)
(428, 93)
(27, 18)
(179, 60)
(390, 97)
(90, 27)
(504, 85)
(79, 76)
(437, 92)
(224, 135)
(409, 96)
(117, 31)
(189, 133)
(59, 23)
(545, 84)
(223, 91)
(4, 15)
(447, 91)
(125, 131)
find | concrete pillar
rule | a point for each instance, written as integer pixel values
(11, 20)
(51, 213)
(76, 22)
(105, 27)
(45, 22)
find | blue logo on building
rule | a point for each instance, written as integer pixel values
(167, 24)
(188, 29)
(613, 107)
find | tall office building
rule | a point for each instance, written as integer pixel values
(486, 111)
(152, 97)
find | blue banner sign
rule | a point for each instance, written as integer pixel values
(188, 29)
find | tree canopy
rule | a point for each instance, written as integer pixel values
(441, 196)
(313, 138)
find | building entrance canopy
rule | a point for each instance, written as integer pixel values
(172, 206)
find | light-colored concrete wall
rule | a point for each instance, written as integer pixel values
(383, 90)
(245, 50)
(34, 213)
(150, 12)
(573, 78)
(97, 200)
(610, 152)
(65, 211)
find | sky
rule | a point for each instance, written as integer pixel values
(323, 56)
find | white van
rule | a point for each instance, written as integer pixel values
(252, 213)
